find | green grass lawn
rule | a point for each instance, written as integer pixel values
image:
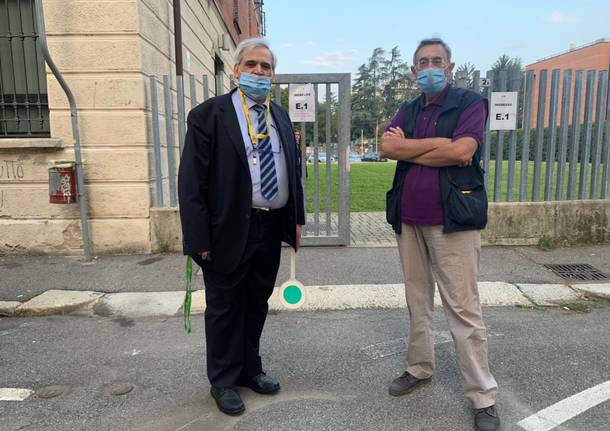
(371, 181)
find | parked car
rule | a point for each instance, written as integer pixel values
(373, 157)
(321, 157)
(353, 158)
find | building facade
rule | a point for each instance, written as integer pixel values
(594, 56)
(107, 52)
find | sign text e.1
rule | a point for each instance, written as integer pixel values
(503, 110)
(302, 103)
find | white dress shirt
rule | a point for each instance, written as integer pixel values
(258, 201)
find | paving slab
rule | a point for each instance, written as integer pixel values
(8, 308)
(54, 302)
(548, 294)
(198, 302)
(501, 294)
(343, 297)
(601, 290)
(142, 304)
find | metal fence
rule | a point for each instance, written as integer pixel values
(561, 148)
(165, 95)
(24, 109)
(327, 223)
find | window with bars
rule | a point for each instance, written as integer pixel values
(24, 107)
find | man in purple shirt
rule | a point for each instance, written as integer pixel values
(437, 206)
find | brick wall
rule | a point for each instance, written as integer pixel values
(247, 25)
(592, 57)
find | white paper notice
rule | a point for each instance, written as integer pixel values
(302, 103)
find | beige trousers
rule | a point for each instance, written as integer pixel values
(427, 253)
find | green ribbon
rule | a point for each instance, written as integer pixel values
(189, 295)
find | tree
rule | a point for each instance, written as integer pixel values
(512, 66)
(514, 70)
(398, 84)
(466, 72)
(362, 102)
(380, 86)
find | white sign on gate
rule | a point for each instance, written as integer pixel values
(302, 103)
(503, 110)
(484, 82)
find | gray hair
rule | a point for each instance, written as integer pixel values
(248, 44)
(432, 41)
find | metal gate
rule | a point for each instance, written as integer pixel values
(325, 180)
(325, 164)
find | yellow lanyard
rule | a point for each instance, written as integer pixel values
(254, 138)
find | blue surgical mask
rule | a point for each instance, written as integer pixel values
(431, 80)
(254, 86)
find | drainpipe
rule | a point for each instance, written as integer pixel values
(80, 178)
(178, 37)
(179, 73)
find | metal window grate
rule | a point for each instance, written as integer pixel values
(577, 271)
(24, 107)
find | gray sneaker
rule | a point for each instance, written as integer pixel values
(406, 384)
(487, 419)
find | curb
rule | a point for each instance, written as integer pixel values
(601, 291)
(318, 298)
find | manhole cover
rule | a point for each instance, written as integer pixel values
(51, 392)
(119, 388)
(577, 271)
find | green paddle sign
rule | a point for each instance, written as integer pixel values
(292, 292)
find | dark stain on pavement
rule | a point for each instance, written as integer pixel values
(101, 309)
(149, 261)
(12, 265)
(125, 323)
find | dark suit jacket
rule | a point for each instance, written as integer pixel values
(214, 185)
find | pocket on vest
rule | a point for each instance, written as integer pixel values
(467, 204)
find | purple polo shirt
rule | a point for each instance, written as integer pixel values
(421, 193)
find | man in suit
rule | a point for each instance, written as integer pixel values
(240, 195)
(437, 206)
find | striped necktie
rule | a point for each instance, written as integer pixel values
(269, 187)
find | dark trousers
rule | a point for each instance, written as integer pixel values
(236, 304)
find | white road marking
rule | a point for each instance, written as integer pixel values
(14, 394)
(566, 409)
(399, 346)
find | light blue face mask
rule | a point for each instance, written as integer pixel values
(431, 80)
(254, 86)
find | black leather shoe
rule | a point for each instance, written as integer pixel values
(228, 400)
(262, 384)
(487, 419)
(406, 384)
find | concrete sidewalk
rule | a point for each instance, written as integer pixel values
(335, 278)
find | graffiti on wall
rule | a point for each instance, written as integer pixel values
(11, 170)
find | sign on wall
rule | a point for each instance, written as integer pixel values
(503, 110)
(302, 103)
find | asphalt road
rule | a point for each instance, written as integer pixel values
(334, 368)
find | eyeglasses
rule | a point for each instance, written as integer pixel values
(424, 62)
